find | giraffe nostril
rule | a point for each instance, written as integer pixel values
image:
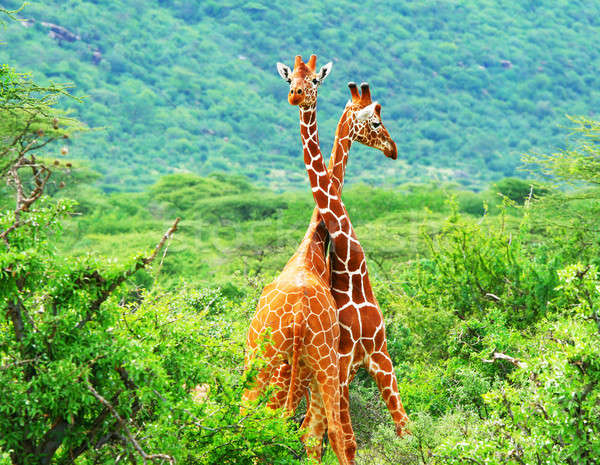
(299, 91)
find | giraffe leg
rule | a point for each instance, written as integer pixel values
(380, 367)
(281, 381)
(264, 376)
(346, 373)
(315, 424)
(349, 438)
(328, 387)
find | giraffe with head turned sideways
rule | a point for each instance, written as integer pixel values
(362, 331)
(312, 251)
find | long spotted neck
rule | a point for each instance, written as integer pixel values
(339, 155)
(330, 205)
(312, 249)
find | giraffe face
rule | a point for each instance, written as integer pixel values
(367, 128)
(303, 80)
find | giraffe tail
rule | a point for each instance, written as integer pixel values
(298, 332)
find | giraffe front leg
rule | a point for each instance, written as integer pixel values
(380, 367)
(346, 374)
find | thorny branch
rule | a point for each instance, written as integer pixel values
(41, 174)
(129, 436)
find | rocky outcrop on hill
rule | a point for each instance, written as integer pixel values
(55, 31)
(60, 33)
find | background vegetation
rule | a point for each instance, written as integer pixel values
(178, 85)
(119, 345)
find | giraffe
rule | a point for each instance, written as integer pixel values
(362, 331)
(314, 235)
(299, 311)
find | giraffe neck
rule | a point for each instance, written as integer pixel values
(315, 166)
(339, 154)
(328, 201)
(311, 252)
(349, 262)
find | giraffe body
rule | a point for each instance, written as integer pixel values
(300, 313)
(362, 330)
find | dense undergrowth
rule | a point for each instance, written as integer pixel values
(490, 302)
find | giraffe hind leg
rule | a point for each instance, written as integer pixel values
(349, 437)
(264, 376)
(380, 367)
(281, 382)
(314, 424)
(328, 386)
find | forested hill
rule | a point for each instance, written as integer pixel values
(180, 85)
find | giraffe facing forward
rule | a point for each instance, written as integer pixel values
(362, 331)
(299, 311)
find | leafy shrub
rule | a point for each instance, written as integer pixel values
(519, 190)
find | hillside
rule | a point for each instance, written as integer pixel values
(174, 86)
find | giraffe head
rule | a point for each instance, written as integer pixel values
(365, 125)
(304, 80)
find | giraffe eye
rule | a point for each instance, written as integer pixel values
(376, 124)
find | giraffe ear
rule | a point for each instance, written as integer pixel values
(366, 112)
(324, 72)
(285, 72)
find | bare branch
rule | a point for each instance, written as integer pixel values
(41, 175)
(501, 356)
(141, 264)
(8, 366)
(15, 314)
(129, 436)
(160, 245)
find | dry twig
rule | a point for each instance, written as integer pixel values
(501, 356)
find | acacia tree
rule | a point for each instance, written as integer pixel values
(54, 356)
(81, 379)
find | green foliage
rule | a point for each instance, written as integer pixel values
(179, 86)
(459, 291)
(519, 190)
(66, 332)
(491, 301)
(581, 161)
(92, 371)
(477, 264)
(551, 408)
(501, 320)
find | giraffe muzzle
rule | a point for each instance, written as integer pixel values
(296, 96)
(391, 151)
